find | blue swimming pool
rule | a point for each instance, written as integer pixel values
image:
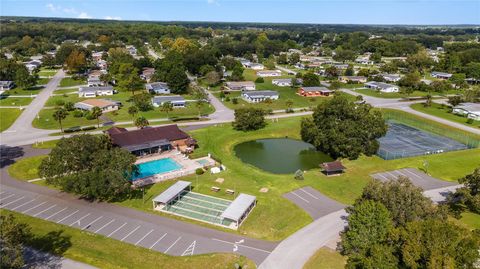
(156, 167)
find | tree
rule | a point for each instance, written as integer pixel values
(132, 111)
(76, 61)
(468, 196)
(96, 113)
(48, 61)
(141, 122)
(459, 80)
(212, 78)
(376, 57)
(341, 128)
(166, 107)
(428, 100)
(289, 104)
(349, 71)
(344, 55)
(89, 166)
(294, 58)
(472, 70)
(454, 100)
(59, 115)
(177, 80)
(282, 58)
(69, 106)
(331, 72)
(143, 101)
(237, 73)
(249, 119)
(200, 97)
(13, 236)
(128, 78)
(310, 79)
(23, 78)
(270, 63)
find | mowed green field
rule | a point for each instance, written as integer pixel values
(103, 252)
(8, 117)
(326, 258)
(15, 101)
(68, 82)
(444, 112)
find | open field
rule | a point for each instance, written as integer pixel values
(443, 111)
(68, 82)
(326, 258)
(15, 101)
(8, 117)
(104, 252)
(22, 91)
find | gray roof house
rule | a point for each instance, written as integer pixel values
(383, 87)
(391, 77)
(441, 75)
(95, 91)
(6, 85)
(259, 96)
(158, 88)
(471, 110)
(176, 100)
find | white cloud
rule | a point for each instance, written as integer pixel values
(84, 15)
(117, 18)
(52, 7)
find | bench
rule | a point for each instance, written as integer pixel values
(215, 189)
(229, 191)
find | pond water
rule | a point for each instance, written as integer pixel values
(280, 155)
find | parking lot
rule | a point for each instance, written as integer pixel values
(417, 177)
(313, 202)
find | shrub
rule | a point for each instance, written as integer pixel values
(234, 101)
(227, 99)
(89, 116)
(199, 171)
(469, 121)
(77, 114)
(88, 128)
(259, 80)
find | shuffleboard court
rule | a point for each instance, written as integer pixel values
(313, 202)
(417, 177)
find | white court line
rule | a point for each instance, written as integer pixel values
(13, 201)
(78, 221)
(144, 237)
(68, 216)
(130, 233)
(172, 245)
(104, 226)
(116, 229)
(13, 194)
(241, 245)
(34, 207)
(44, 210)
(54, 214)
(315, 197)
(92, 222)
(23, 204)
(299, 196)
(159, 239)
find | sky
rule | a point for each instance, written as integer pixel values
(413, 12)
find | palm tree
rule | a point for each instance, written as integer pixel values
(167, 107)
(428, 100)
(289, 104)
(59, 115)
(132, 111)
(141, 122)
(96, 113)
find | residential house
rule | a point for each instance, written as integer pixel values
(391, 77)
(97, 55)
(314, 91)
(6, 85)
(364, 60)
(240, 86)
(471, 110)
(102, 64)
(89, 92)
(94, 81)
(177, 101)
(259, 96)
(282, 82)
(352, 79)
(158, 88)
(383, 87)
(132, 50)
(341, 66)
(256, 66)
(269, 73)
(104, 105)
(441, 75)
(147, 73)
(150, 140)
(32, 65)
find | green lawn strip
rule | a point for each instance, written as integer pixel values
(326, 258)
(43, 81)
(103, 252)
(22, 91)
(68, 82)
(8, 117)
(26, 168)
(472, 220)
(47, 72)
(443, 111)
(15, 101)
(64, 91)
(46, 144)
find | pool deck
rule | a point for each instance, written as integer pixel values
(188, 167)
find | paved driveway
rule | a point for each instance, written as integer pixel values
(417, 177)
(313, 202)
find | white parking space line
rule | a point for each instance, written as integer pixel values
(44, 210)
(91, 223)
(391, 174)
(159, 239)
(104, 226)
(1, 199)
(116, 230)
(172, 245)
(138, 227)
(300, 197)
(78, 221)
(32, 208)
(382, 176)
(412, 173)
(190, 249)
(143, 237)
(68, 216)
(54, 214)
(16, 200)
(23, 204)
(314, 197)
(245, 246)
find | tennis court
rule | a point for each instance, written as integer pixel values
(403, 141)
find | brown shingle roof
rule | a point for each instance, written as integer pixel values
(333, 166)
(146, 135)
(98, 102)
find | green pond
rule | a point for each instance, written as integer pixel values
(280, 155)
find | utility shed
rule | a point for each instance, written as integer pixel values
(239, 209)
(170, 194)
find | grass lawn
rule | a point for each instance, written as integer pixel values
(45, 145)
(67, 82)
(470, 219)
(15, 101)
(26, 168)
(43, 81)
(326, 258)
(47, 72)
(8, 117)
(443, 111)
(22, 91)
(103, 252)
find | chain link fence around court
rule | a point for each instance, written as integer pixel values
(403, 141)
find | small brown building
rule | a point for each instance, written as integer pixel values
(314, 91)
(333, 168)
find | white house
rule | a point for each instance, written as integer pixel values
(256, 66)
(471, 110)
(282, 82)
(6, 85)
(259, 96)
(94, 81)
(353, 79)
(89, 92)
(158, 88)
(240, 86)
(104, 105)
(441, 75)
(391, 77)
(32, 65)
(269, 73)
(176, 100)
(383, 87)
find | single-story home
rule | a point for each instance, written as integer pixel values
(240, 86)
(177, 101)
(314, 91)
(269, 73)
(364, 60)
(158, 88)
(471, 110)
(282, 82)
(32, 65)
(104, 105)
(441, 75)
(150, 140)
(147, 73)
(352, 79)
(6, 85)
(94, 81)
(259, 96)
(256, 66)
(383, 87)
(341, 66)
(391, 77)
(88, 92)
